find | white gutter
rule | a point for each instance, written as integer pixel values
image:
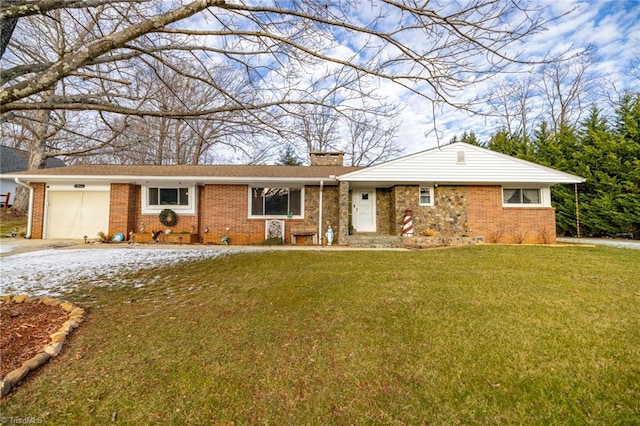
(320, 215)
(191, 179)
(30, 214)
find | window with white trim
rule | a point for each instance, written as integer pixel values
(168, 196)
(521, 196)
(158, 197)
(426, 196)
(275, 202)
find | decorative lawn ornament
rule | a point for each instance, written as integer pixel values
(407, 223)
(329, 236)
(168, 217)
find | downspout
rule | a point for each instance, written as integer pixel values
(320, 215)
(30, 214)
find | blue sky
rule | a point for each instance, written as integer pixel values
(613, 27)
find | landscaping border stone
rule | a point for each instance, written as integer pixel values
(76, 316)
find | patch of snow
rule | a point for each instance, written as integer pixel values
(55, 272)
(6, 249)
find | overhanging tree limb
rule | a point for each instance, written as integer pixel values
(72, 62)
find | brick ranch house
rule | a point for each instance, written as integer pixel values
(458, 191)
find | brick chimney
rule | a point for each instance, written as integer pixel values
(327, 158)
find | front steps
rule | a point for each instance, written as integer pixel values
(394, 241)
(374, 241)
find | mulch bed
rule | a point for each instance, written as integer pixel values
(26, 328)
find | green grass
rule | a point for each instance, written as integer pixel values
(481, 335)
(9, 221)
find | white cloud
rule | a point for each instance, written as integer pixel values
(614, 27)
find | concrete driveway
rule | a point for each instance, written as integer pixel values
(630, 244)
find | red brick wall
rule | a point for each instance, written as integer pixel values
(126, 213)
(37, 224)
(219, 207)
(122, 211)
(226, 206)
(186, 222)
(486, 217)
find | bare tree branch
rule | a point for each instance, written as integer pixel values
(75, 60)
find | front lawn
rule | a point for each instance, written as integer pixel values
(12, 221)
(478, 335)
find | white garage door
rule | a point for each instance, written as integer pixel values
(74, 214)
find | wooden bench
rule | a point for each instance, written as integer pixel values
(304, 231)
(4, 200)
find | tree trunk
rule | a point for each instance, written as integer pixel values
(37, 158)
(21, 200)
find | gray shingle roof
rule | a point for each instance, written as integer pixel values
(231, 171)
(16, 160)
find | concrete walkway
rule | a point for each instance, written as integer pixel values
(11, 246)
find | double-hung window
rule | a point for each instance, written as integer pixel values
(155, 198)
(426, 196)
(521, 196)
(275, 202)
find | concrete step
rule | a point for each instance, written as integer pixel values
(375, 241)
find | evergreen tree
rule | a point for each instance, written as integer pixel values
(467, 137)
(288, 157)
(510, 143)
(609, 160)
(557, 151)
(627, 131)
(605, 152)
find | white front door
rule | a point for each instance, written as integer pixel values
(364, 210)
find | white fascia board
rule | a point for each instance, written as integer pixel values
(185, 179)
(380, 183)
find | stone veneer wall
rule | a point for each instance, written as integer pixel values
(343, 206)
(446, 218)
(474, 211)
(330, 209)
(385, 212)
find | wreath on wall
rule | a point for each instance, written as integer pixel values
(168, 217)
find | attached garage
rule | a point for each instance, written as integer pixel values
(76, 213)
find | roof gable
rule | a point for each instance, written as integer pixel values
(460, 163)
